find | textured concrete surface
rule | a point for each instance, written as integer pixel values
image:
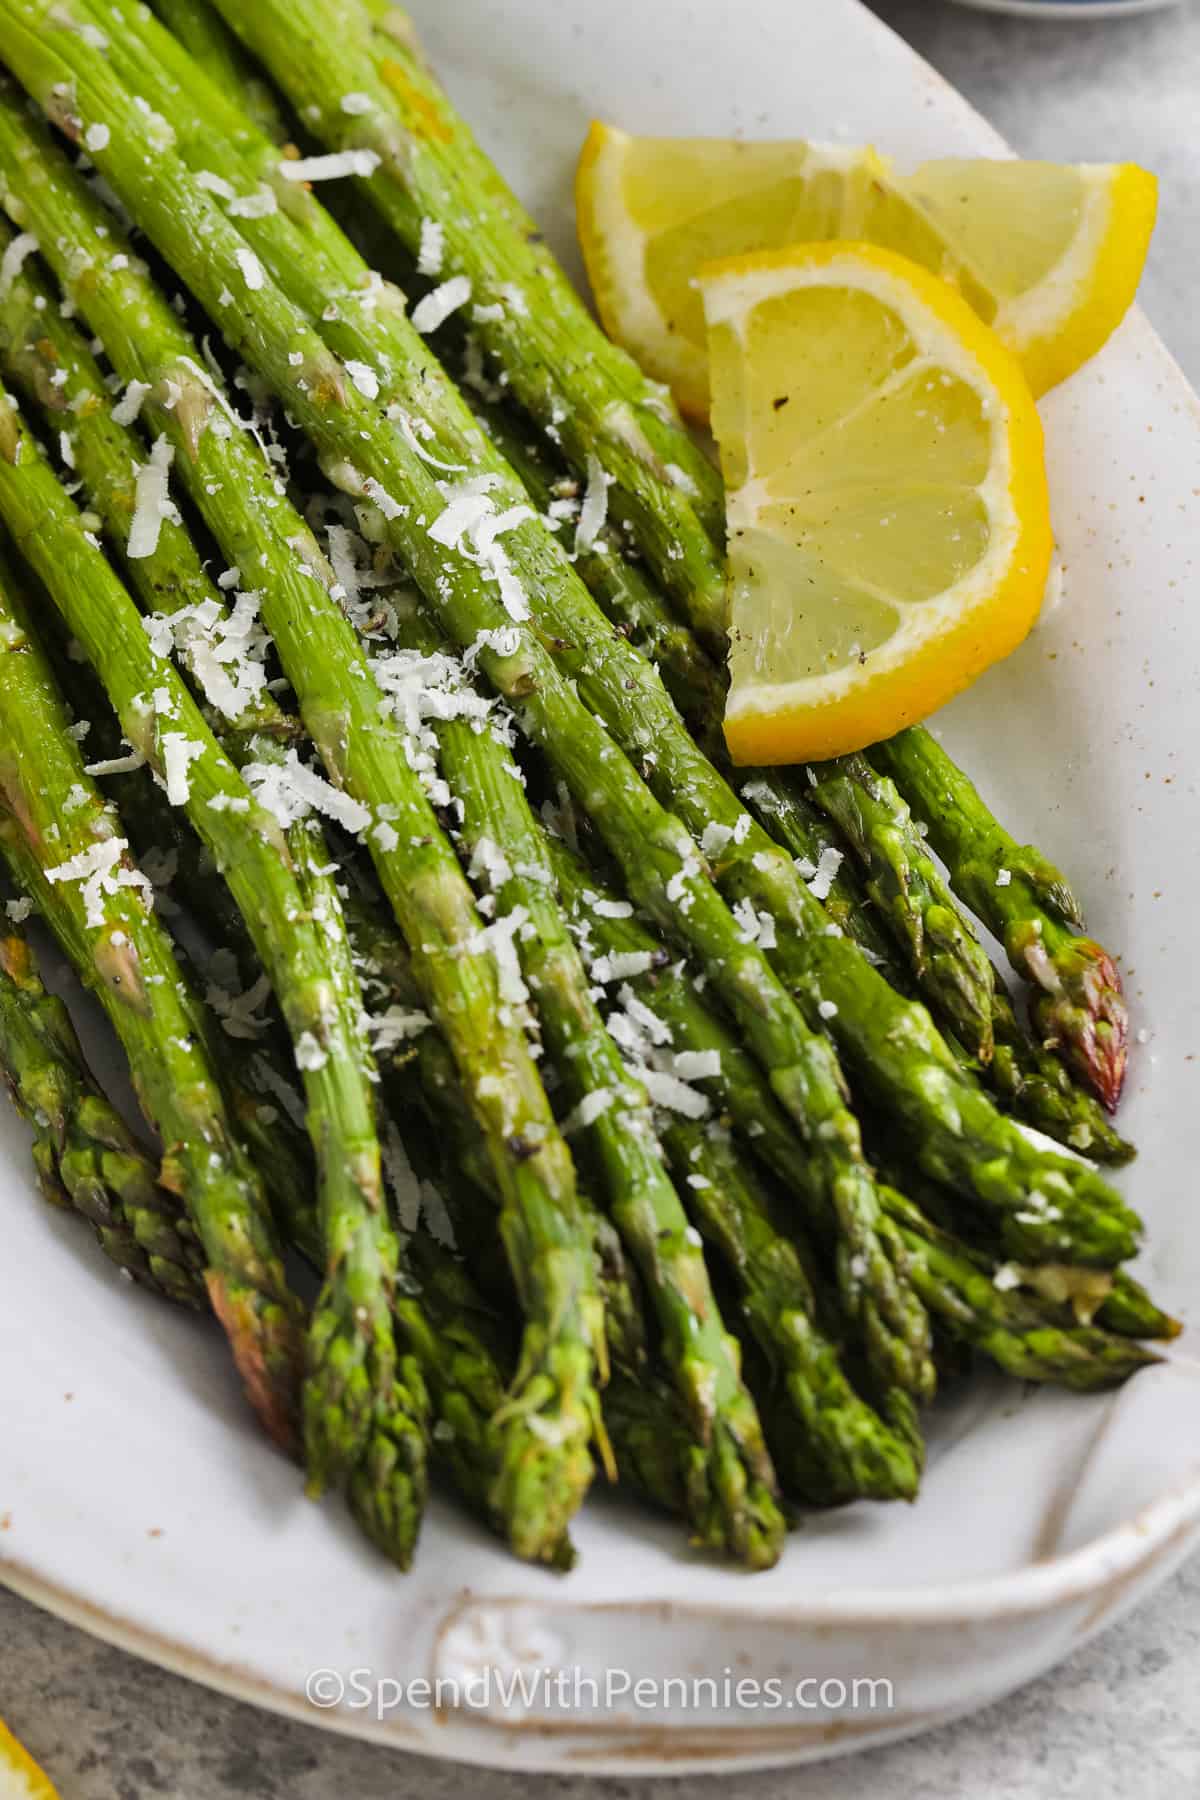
(1122, 1716)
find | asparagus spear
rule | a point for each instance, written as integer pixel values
(842, 1446)
(1036, 1085)
(352, 1396)
(46, 357)
(619, 586)
(52, 821)
(737, 1088)
(652, 1439)
(732, 1494)
(671, 878)
(614, 415)
(546, 1471)
(204, 35)
(903, 881)
(1078, 1005)
(85, 1156)
(1005, 1325)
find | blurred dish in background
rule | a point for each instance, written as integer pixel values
(1069, 9)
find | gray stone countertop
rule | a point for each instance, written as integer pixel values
(1122, 1716)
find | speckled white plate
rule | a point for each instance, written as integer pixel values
(135, 1496)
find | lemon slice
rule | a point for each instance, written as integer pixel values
(20, 1777)
(1059, 249)
(1050, 254)
(888, 519)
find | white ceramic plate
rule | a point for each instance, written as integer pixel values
(135, 1496)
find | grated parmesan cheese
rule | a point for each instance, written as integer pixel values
(621, 965)
(117, 765)
(332, 167)
(714, 838)
(432, 247)
(291, 790)
(252, 269)
(309, 1054)
(178, 754)
(592, 1107)
(667, 1090)
(151, 501)
(395, 1026)
(259, 205)
(434, 308)
(239, 1011)
(364, 379)
(130, 404)
(23, 245)
(595, 505)
(99, 870)
(212, 183)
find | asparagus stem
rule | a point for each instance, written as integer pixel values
(872, 1288)
(658, 858)
(842, 1446)
(1077, 1003)
(318, 51)
(119, 949)
(344, 709)
(204, 35)
(620, 588)
(906, 887)
(739, 1092)
(776, 799)
(1020, 1336)
(86, 1158)
(291, 907)
(352, 1391)
(731, 1504)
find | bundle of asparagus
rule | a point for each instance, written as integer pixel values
(495, 895)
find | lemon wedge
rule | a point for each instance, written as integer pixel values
(1049, 254)
(1058, 248)
(888, 517)
(20, 1777)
